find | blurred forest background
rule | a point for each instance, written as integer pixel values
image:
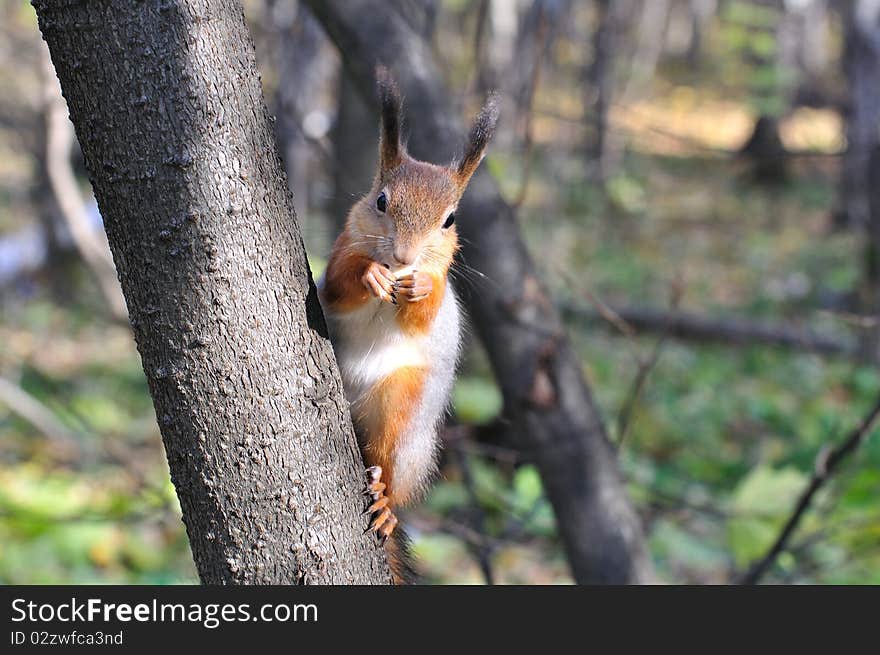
(694, 179)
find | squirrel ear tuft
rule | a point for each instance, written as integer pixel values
(479, 137)
(390, 148)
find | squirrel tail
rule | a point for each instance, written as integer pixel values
(398, 549)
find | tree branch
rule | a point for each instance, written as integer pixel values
(827, 462)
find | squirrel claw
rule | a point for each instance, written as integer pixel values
(383, 524)
(384, 521)
(374, 490)
(378, 281)
(379, 520)
(415, 286)
(376, 506)
(387, 528)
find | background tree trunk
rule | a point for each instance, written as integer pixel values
(167, 104)
(547, 400)
(355, 158)
(861, 164)
(301, 66)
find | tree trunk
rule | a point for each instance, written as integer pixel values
(701, 11)
(301, 69)
(354, 157)
(861, 164)
(546, 397)
(166, 101)
(765, 151)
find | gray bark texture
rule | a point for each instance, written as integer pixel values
(547, 401)
(167, 104)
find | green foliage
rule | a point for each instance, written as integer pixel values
(772, 493)
(722, 440)
(476, 400)
(626, 194)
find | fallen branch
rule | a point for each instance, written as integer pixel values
(728, 331)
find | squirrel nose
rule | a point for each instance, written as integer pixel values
(405, 256)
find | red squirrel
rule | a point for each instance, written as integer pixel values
(393, 315)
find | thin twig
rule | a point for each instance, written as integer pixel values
(627, 409)
(827, 461)
(528, 136)
(609, 315)
(856, 320)
(624, 417)
(482, 551)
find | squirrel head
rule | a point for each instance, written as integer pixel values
(408, 218)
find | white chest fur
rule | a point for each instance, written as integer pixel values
(369, 344)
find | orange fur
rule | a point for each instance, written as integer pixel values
(382, 418)
(416, 317)
(343, 289)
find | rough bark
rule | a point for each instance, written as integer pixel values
(166, 101)
(546, 396)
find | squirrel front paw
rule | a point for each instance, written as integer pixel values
(379, 280)
(414, 286)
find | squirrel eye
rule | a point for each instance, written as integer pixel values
(382, 202)
(449, 220)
